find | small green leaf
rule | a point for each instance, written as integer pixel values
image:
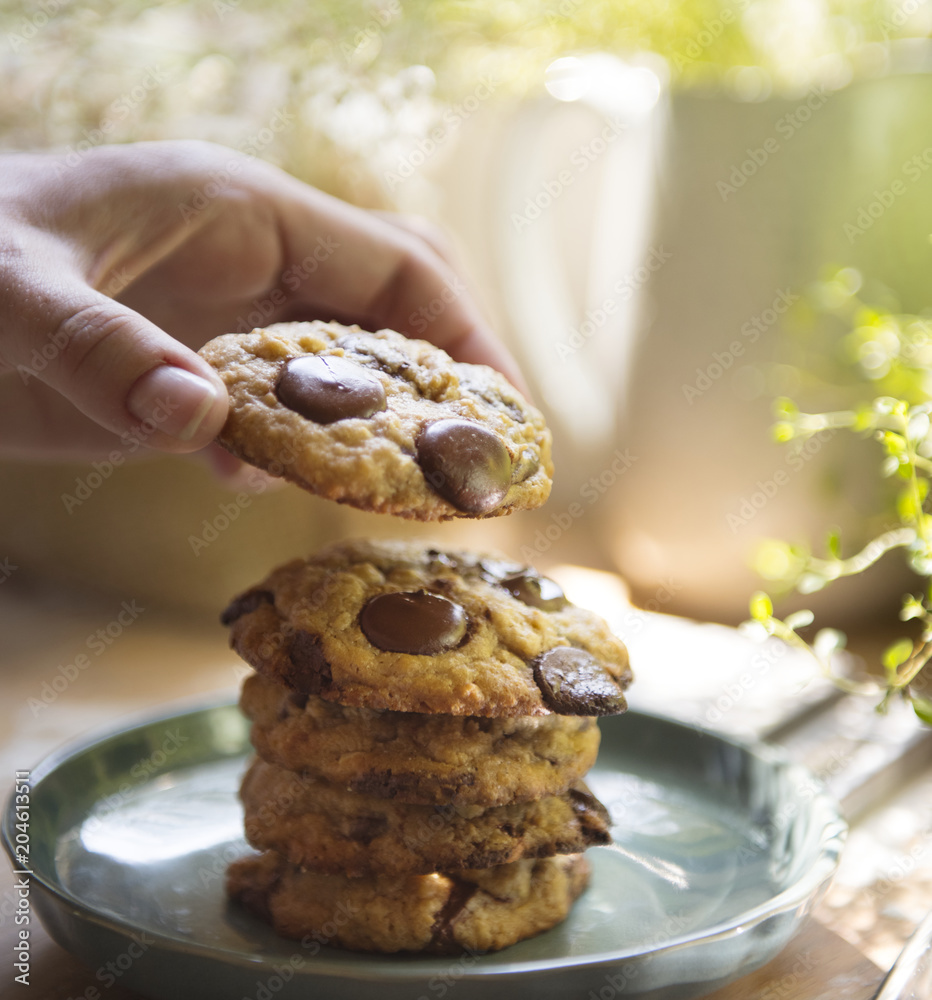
(863, 418)
(906, 505)
(891, 464)
(918, 426)
(799, 619)
(785, 409)
(912, 608)
(920, 560)
(893, 442)
(833, 543)
(898, 653)
(761, 606)
(884, 404)
(809, 583)
(828, 641)
(775, 560)
(923, 708)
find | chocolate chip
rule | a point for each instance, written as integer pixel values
(440, 559)
(327, 388)
(245, 603)
(420, 623)
(495, 570)
(417, 789)
(461, 893)
(366, 828)
(536, 591)
(527, 463)
(465, 463)
(594, 819)
(311, 673)
(388, 357)
(573, 682)
(524, 583)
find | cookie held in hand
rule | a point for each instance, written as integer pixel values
(381, 422)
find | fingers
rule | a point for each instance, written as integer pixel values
(357, 266)
(108, 362)
(425, 230)
(237, 475)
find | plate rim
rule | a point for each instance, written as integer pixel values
(804, 889)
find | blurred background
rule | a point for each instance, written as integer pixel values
(647, 199)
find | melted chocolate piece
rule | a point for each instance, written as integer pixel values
(465, 463)
(495, 570)
(366, 828)
(327, 388)
(594, 819)
(524, 583)
(311, 672)
(527, 464)
(442, 559)
(420, 623)
(388, 357)
(573, 682)
(442, 931)
(536, 591)
(245, 603)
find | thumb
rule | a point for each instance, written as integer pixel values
(113, 365)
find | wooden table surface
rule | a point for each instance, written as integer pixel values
(157, 659)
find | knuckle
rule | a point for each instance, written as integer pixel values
(429, 234)
(80, 336)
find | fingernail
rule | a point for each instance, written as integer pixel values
(173, 400)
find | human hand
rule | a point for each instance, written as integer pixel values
(115, 269)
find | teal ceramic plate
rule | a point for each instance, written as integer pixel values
(720, 851)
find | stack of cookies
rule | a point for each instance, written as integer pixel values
(423, 718)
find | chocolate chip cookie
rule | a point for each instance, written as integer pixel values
(422, 759)
(324, 828)
(402, 627)
(381, 422)
(475, 910)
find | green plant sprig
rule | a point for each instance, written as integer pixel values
(903, 430)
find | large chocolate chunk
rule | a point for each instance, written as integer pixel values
(573, 682)
(536, 591)
(442, 931)
(495, 570)
(524, 583)
(310, 673)
(465, 463)
(245, 603)
(593, 818)
(327, 388)
(420, 623)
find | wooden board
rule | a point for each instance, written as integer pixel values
(816, 965)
